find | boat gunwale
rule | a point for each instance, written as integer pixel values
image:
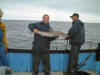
(50, 51)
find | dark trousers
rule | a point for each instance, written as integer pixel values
(46, 62)
(73, 58)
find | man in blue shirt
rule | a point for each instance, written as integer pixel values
(76, 39)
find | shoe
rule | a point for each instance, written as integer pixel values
(47, 73)
(34, 73)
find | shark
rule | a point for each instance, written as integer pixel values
(58, 34)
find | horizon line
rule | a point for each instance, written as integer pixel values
(50, 20)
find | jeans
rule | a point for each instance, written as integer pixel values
(46, 62)
(73, 58)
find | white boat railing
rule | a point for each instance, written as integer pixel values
(64, 45)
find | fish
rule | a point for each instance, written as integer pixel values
(58, 34)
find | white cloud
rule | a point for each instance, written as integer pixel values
(27, 12)
(87, 17)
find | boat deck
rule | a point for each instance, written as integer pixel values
(52, 73)
(40, 73)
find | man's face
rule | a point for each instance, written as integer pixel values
(74, 18)
(46, 19)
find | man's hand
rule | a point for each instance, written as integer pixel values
(35, 30)
(68, 36)
(6, 50)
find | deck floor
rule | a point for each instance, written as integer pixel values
(41, 73)
(52, 73)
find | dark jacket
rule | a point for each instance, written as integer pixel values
(41, 44)
(77, 33)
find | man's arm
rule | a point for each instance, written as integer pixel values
(32, 27)
(74, 30)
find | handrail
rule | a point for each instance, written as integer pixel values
(66, 50)
(50, 51)
(87, 44)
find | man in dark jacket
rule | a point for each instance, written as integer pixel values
(41, 45)
(76, 39)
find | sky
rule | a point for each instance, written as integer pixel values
(58, 10)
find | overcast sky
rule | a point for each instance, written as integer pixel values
(59, 10)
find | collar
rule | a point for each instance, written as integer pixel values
(44, 23)
(75, 21)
